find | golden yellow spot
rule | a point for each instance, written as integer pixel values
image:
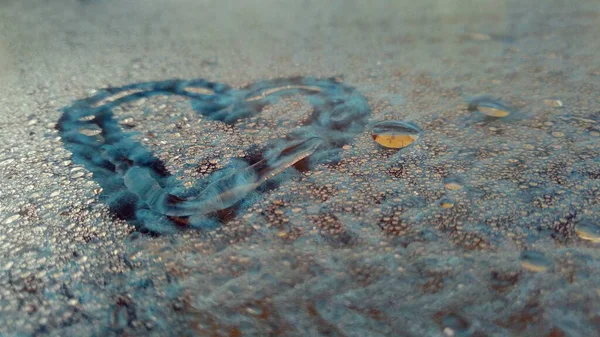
(446, 204)
(395, 134)
(586, 230)
(395, 141)
(493, 112)
(534, 267)
(553, 103)
(282, 234)
(588, 236)
(558, 134)
(453, 186)
(535, 261)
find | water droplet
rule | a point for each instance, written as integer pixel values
(128, 122)
(226, 191)
(87, 118)
(452, 184)
(449, 332)
(8, 265)
(535, 261)
(6, 162)
(446, 203)
(254, 310)
(199, 90)
(490, 107)
(116, 96)
(587, 230)
(553, 103)
(11, 219)
(77, 174)
(456, 325)
(395, 134)
(254, 96)
(91, 130)
(528, 147)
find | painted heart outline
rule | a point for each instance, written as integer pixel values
(136, 184)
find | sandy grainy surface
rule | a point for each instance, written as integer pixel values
(484, 228)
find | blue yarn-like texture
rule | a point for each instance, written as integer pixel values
(137, 185)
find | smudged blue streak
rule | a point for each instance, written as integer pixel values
(136, 184)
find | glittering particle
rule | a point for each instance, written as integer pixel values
(395, 134)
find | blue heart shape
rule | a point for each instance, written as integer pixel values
(136, 184)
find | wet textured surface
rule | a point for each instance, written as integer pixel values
(485, 226)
